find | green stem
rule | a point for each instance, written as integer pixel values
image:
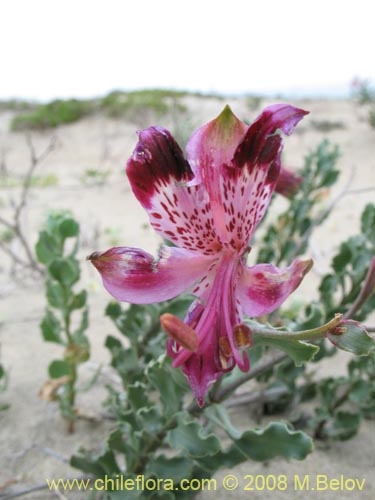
(312, 334)
(72, 375)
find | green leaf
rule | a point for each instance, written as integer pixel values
(47, 248)
(124, 440)
(219, 415)
(65, 270)
(342, 259)
(69, 228)
(344, 426)
(150, 420)
(368, 222)
(355, 339)
(193, 439)
(99, 465)
(55, 294)
(160, 376)
(361, 392)
(300, 352)
(175, 468)
(51, 328)
(78, 300)
(276, 440)
(58, 368)
(113, 310)
(137, 395)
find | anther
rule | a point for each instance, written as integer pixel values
(180, 332)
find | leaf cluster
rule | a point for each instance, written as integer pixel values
(52, 114)
(56, 249)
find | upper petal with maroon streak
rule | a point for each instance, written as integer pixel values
(132, 275)
(264, 287)
(250, 180)
(159, 175)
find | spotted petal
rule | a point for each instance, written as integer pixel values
(251, 179)
(264, 287)
(132, 275)
(239, 167)
(159, 176)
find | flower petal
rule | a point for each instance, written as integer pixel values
(249, 182)
(209, 149)
(201, 372)
(264, 287)
(159, 176)
(256, 143)
(132, 275)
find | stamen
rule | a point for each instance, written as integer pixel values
(224, 347)
(179, 331)
(242, 336)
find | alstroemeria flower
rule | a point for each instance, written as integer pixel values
(208, 205)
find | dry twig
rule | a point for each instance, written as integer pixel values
(15, 224)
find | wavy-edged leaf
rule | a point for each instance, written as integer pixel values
(300, 352)
(355, 339)
(276, 440)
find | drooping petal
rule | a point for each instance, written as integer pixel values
(132, 275)
(201, 372)
(159, 176)
(264, 287)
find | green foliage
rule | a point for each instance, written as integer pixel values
(363, 92)
(355, 392)
(339, 289)
(289, 235)
(371, 118)
(38, 181)
(52, 114)
(154, 413)
(95, 177)
(3, 386)
(56, 249)
(140, 106)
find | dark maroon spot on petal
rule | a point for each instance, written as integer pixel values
(273, 172)
(270, 149)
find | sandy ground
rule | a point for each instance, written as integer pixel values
(109, 215)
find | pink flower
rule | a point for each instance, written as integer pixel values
(208, 205)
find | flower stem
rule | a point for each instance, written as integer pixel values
(312, 334)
